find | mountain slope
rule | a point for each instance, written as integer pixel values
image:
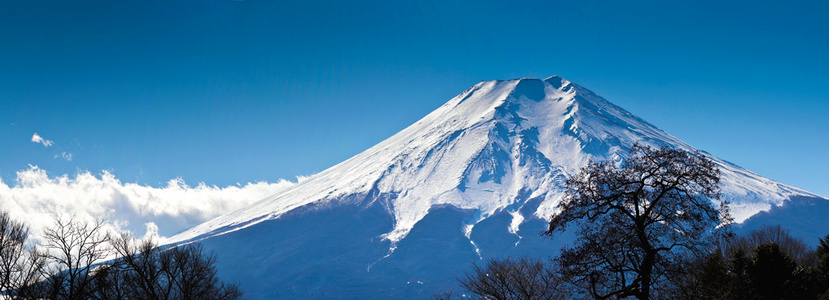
(478, 173)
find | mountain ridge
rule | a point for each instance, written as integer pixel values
(476, 178)
(505, 127)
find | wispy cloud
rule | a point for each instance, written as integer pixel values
(37, 139)
(144, 210)
(64, 155)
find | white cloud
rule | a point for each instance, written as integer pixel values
(144, 210)
(37, 139)
(64, 155)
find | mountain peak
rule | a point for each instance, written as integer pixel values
(476, 178)
(556, 81)
(492, 148)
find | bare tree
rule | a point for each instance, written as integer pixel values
(524, 278)
(444, 295)
(20, 266)
(81, 261)
(138, 268)
(193, 274)
(146, 271)
(635, 218)
(73, 249)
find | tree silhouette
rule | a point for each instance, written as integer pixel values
(73, 250)
(20, 265)
(772, 273)
(82, 261)
(523, 278)
(143, 270)
(635, 218)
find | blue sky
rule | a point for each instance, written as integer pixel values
(226, 92)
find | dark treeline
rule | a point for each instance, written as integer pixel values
(79, 260)
(766, 263)
(648, 228)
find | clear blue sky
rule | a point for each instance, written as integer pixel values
(222, 91)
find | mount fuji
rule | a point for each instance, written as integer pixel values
(476, 178)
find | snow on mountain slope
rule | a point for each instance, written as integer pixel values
(490, 149)
(476, 178)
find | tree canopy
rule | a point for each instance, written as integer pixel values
(635, 218)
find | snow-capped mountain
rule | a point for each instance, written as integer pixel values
(477, 177)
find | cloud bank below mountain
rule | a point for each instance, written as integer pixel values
(35, 198)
